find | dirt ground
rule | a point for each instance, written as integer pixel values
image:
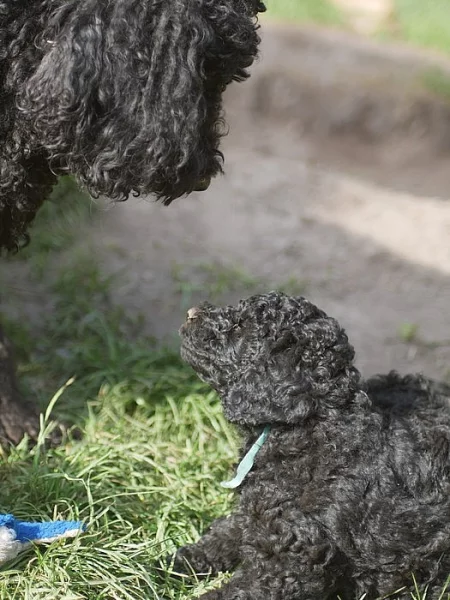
(337, 184)
(361, 224)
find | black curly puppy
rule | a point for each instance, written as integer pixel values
(124, 94)
(349, 493)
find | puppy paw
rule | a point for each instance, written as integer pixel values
(187, 563)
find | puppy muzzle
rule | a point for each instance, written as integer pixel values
(192, 313)
(191, 316)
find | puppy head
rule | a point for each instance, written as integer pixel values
(272, 359)
(127, 94)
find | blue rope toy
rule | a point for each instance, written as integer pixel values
(16, 535)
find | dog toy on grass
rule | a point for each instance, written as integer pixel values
(17, 535)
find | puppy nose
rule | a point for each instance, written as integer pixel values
(192, 313)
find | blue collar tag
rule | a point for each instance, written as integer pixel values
(246, 463)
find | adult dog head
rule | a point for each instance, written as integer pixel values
(124, 94)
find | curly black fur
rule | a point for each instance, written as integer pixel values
(350, 494)
(125, 94)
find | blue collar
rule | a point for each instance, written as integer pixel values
(247, 462)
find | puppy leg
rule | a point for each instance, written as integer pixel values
(16, 416)
(217, 551)
(249, 584)
(285, 560)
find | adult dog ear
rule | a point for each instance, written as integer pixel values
(118, 97)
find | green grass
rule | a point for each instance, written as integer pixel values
(213, 281)
(144, 479)
(408, 332)
(419, 22)
(145, 474)
(437, 82)
(316, 11)
(423, 23)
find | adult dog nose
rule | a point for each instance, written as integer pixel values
(202, 184)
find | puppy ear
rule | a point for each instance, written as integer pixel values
(306, 374)
(118, 96)
(260, 398)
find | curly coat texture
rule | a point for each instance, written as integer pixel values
(124, 94)
(350, 493)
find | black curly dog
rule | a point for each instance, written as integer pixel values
(124, 94)
(350, 493)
